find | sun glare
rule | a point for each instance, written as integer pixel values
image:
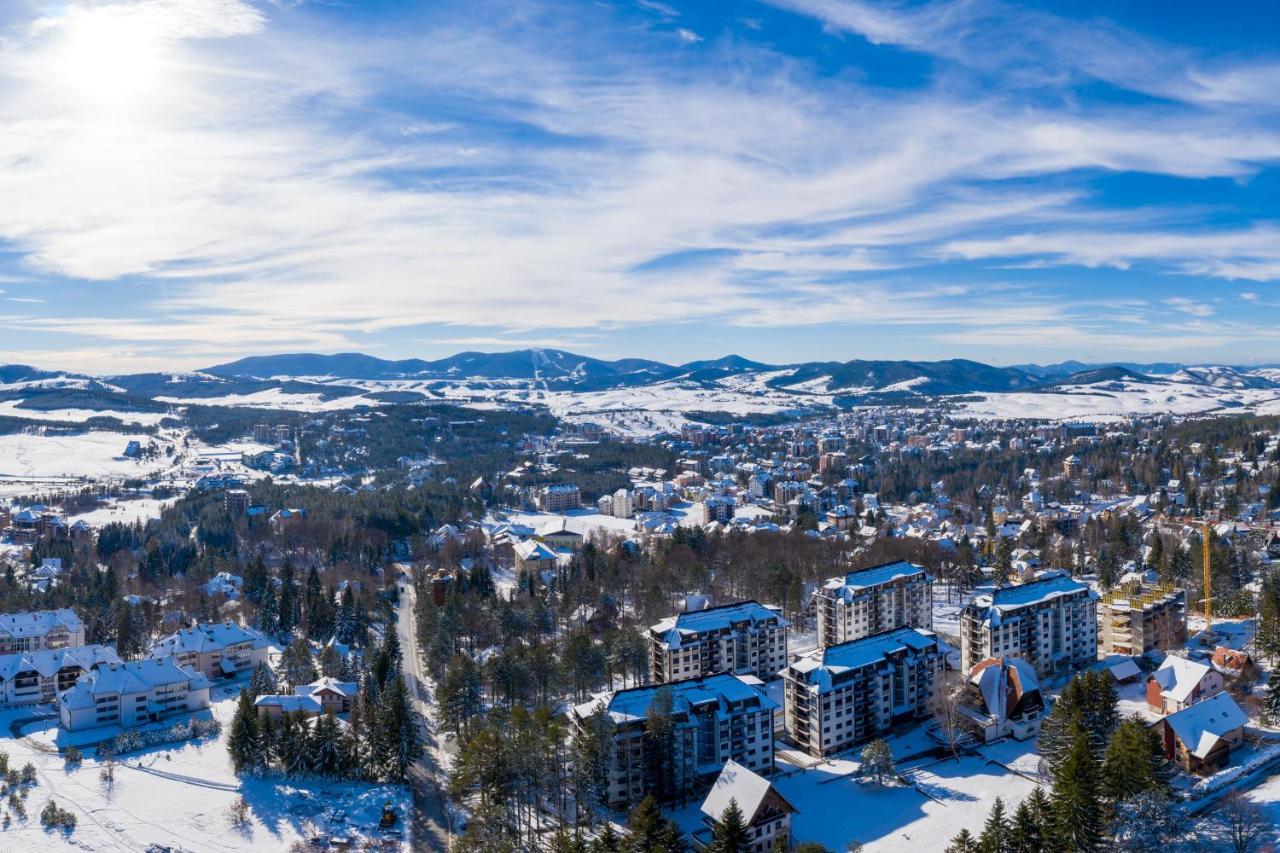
(110, 60)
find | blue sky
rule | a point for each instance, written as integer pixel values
(188, 181)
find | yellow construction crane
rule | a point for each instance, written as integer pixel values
(1205, 557)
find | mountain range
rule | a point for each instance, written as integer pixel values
(631, 389)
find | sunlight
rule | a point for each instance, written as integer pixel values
(109, 59)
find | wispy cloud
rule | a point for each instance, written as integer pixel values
(282, 182)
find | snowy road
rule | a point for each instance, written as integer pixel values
(430, 816)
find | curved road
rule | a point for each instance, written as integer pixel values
(430, 814)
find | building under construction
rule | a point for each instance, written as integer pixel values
(1135, 618)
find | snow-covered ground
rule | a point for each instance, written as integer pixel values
(124, 511)
(33, 463)
(179, 795)
(1122, 399)
(835, 809)
(11, 408)
(276, 398)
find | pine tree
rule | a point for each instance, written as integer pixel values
(459, 696)
(290, 606)
(651, 832)
(995, 832)
(1271, 704)
(297, 664)
(607, 841)
(1134, 762)
(963, 843)
(1041, 809)
(243, 741)
(729, 834)
(876, 762)
(326, 750)
(263, 682)
(1025, 834)
(1076, 804)
(269, 611)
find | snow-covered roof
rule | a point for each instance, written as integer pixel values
(342, 688)
(821, 666)
(1202, 725)
(39, 623)
(207, 638)
(48, 662)
(633, 705)
(1023, 595)
(1178, 676)
(289, 703)
(714, 619)
(863, 579)
(137, 676)
(738, 783)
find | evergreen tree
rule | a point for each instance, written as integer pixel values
(1134, 761)
(607, 841)
(995, 832)
(729, 834)
(263, 682)
(290, 606)
(1271, 703)
(459, 696)
(1025, 834)
(651, 832)
(297, 664)
(964, 842)
(326, 748)
(243, 741)
(876, 762)
(269, 611)
(1076, 803)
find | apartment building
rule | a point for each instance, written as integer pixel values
(1135, 619)
(870, 601)
(845, 695)
(216, 650)
(37, 678)
(559, 497)
(1051, 622)
(43, 629)
(746, 638)
(131, 694)
(714, 720)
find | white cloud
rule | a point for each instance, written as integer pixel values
(259, 192)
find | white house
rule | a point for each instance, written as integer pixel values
(132, 694)
(1180, 683)
(44, 629)
(216, 649)
(33, 678)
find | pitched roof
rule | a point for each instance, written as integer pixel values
(136, 676)
(39, 623)
(822, 665)
(1202, 725)
(856, 582)
(1178, 676)
(714, 619)
(633, 704)
(48, 662)
(742, 784)
(209, 637)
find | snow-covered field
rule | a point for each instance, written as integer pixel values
(179, 795)
(275, 398)
(835, 809)
(11, 408)
(124, 511)
(1118, 400)
(33, 463)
